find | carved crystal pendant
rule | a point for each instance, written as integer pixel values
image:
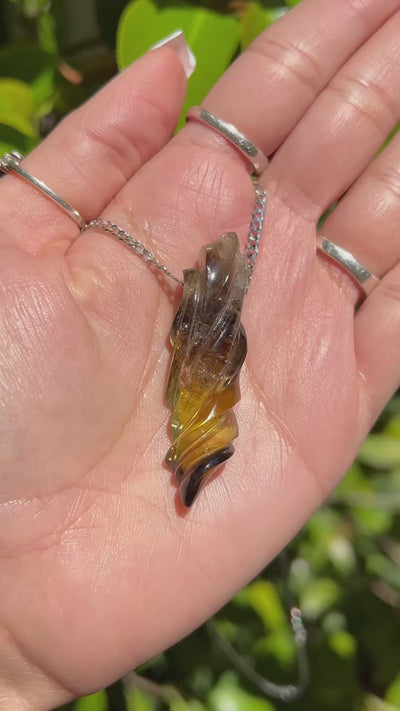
(209, 347)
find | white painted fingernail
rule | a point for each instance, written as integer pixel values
(176, 41)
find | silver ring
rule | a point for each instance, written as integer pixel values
(347, 261)
(256, 157)
(11, 162)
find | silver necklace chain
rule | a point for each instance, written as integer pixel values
(137, 246)
(252, 246)
(256, 226)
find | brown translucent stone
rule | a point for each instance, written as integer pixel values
(209, 347)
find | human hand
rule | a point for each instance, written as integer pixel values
(99, 570)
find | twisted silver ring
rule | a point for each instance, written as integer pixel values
(256, 158)
(11, 162)
(366, 281)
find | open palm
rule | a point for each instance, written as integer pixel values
(100, 567)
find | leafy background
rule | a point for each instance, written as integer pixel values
(344, 566)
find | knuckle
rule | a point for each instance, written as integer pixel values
(367, 98)
(289, 59)
(390, 179)
(123, 143)
(117, 147)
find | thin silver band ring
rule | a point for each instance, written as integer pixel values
(366, 281)
(256, 157)
(11, 162)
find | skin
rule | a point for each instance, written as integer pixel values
(100, 568)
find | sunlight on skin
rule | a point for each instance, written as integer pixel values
(101, 568)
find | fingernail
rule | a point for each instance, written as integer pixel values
(176, 41)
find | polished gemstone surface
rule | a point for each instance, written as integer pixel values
(209, 347)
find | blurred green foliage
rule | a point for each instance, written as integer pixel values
(344, 567)
(213, 37)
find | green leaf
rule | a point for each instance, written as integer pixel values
(354, 481)
(392, 695)
(253, 23)
(393, 406)
(393, 427)
(279, 644)
(136, 32)
(137, 700)
(318, 597)
(372, 521)
(384, 568)
(343, 643)
(300, 575)
(227, 629)
(179, 705)
(13, 140)
(46, 33)
(263, 597)
(201, 679)
(390, 136)
(255, 20)
(33, 66)
(228, 696)
(16, 106)
(94, 702)
(372, 703)
(6, 147)
(16, 96)
(380, 450)
(213, 38)
(341, 553)
(334, 622)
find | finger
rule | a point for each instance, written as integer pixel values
(273, 83)
(377, 339)
(346, 126)
(367, 222)
(94, 151)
